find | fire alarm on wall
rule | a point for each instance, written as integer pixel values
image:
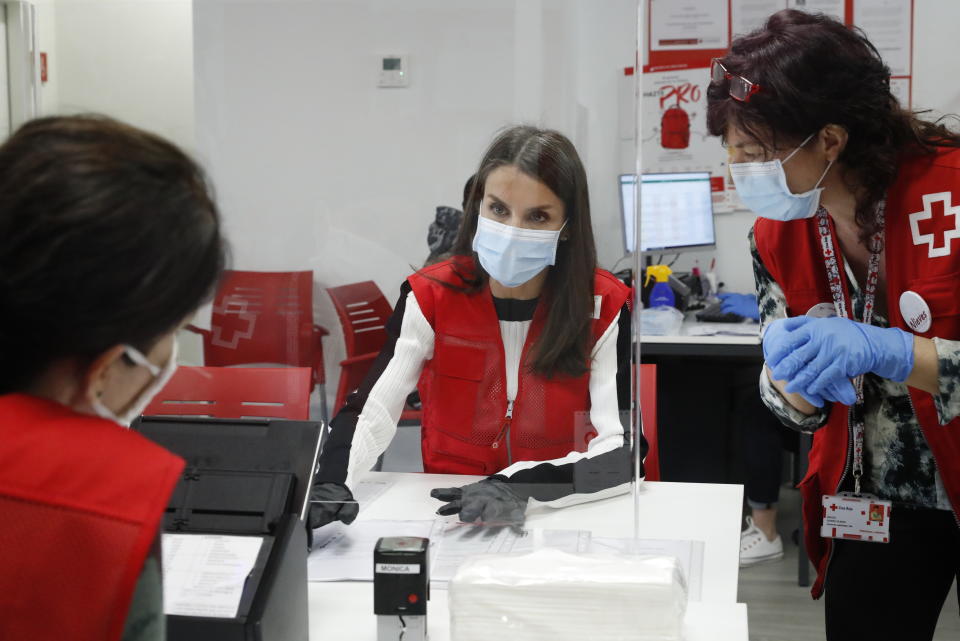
(393, 71)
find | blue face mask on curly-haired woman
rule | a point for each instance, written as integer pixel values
(762, 186)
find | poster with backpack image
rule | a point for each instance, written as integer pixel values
(674, 136)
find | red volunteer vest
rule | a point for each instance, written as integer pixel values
(465, 427)
(82, 500)
(921, 255)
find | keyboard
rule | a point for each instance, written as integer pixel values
(713, 314)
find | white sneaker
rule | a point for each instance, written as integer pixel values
(756, 548)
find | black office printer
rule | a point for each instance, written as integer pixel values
(247, 478)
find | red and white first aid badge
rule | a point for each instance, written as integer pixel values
(856, 518)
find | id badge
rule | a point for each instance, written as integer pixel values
(856, 517)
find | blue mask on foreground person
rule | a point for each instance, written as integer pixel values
(513, 255)
(762, 186)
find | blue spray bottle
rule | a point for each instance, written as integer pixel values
(661, 294)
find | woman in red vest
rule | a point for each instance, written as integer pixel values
(514, 343)
(858, 276)
(109, 240)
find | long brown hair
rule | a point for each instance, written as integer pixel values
(550, 158)
(814, 71)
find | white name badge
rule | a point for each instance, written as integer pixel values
(915, 311)
(856, 517)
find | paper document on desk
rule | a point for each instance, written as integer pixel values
(204, 574)
(367, 491)
(724, 329)
(688, 553)
(345, 552)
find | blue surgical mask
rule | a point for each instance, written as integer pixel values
(762, 186)
(513, 255)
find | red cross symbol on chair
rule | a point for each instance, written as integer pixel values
(236, 325)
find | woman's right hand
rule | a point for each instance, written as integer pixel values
(331, 502)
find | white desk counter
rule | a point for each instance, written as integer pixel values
(691, 341)
(692, 332)
(343, 611)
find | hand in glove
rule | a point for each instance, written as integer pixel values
(813, 356)
(491, 500)
(741, 304)
(779, 334)
(331, 502)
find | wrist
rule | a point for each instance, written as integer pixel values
(894, 353)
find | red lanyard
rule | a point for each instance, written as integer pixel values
(832, 265)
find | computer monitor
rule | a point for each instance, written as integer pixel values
(676, 212)
(628, 211)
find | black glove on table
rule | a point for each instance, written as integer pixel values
(331, 502)
(491, 500)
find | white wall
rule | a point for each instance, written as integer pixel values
(131, 59)
(936, 56)
(317, 168)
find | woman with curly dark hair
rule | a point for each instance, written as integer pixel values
(859, 292)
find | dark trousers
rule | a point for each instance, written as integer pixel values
(895, 591)
(764, 439)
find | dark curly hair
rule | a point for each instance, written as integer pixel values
(814, 71)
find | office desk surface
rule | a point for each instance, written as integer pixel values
(706, 512)
(689, 343)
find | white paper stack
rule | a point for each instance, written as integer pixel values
(550, 595)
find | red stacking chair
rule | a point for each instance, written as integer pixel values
(266, 317)
(235, 392)
(363, 313)
(648, 410)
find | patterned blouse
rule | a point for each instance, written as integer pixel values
(897, 461)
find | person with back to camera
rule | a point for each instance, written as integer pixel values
(516, 336)
(109, 240)
(857, 273)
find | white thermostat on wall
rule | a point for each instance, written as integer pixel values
(393, 71)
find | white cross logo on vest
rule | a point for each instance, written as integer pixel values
(933, 251)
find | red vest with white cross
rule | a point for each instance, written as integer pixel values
(465, 425)
(922, 255)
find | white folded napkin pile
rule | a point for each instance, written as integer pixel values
(550, 595)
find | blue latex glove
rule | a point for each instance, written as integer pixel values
(741, 304)
(818, 352)
(835, 388)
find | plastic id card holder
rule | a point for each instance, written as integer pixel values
(856, 517)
